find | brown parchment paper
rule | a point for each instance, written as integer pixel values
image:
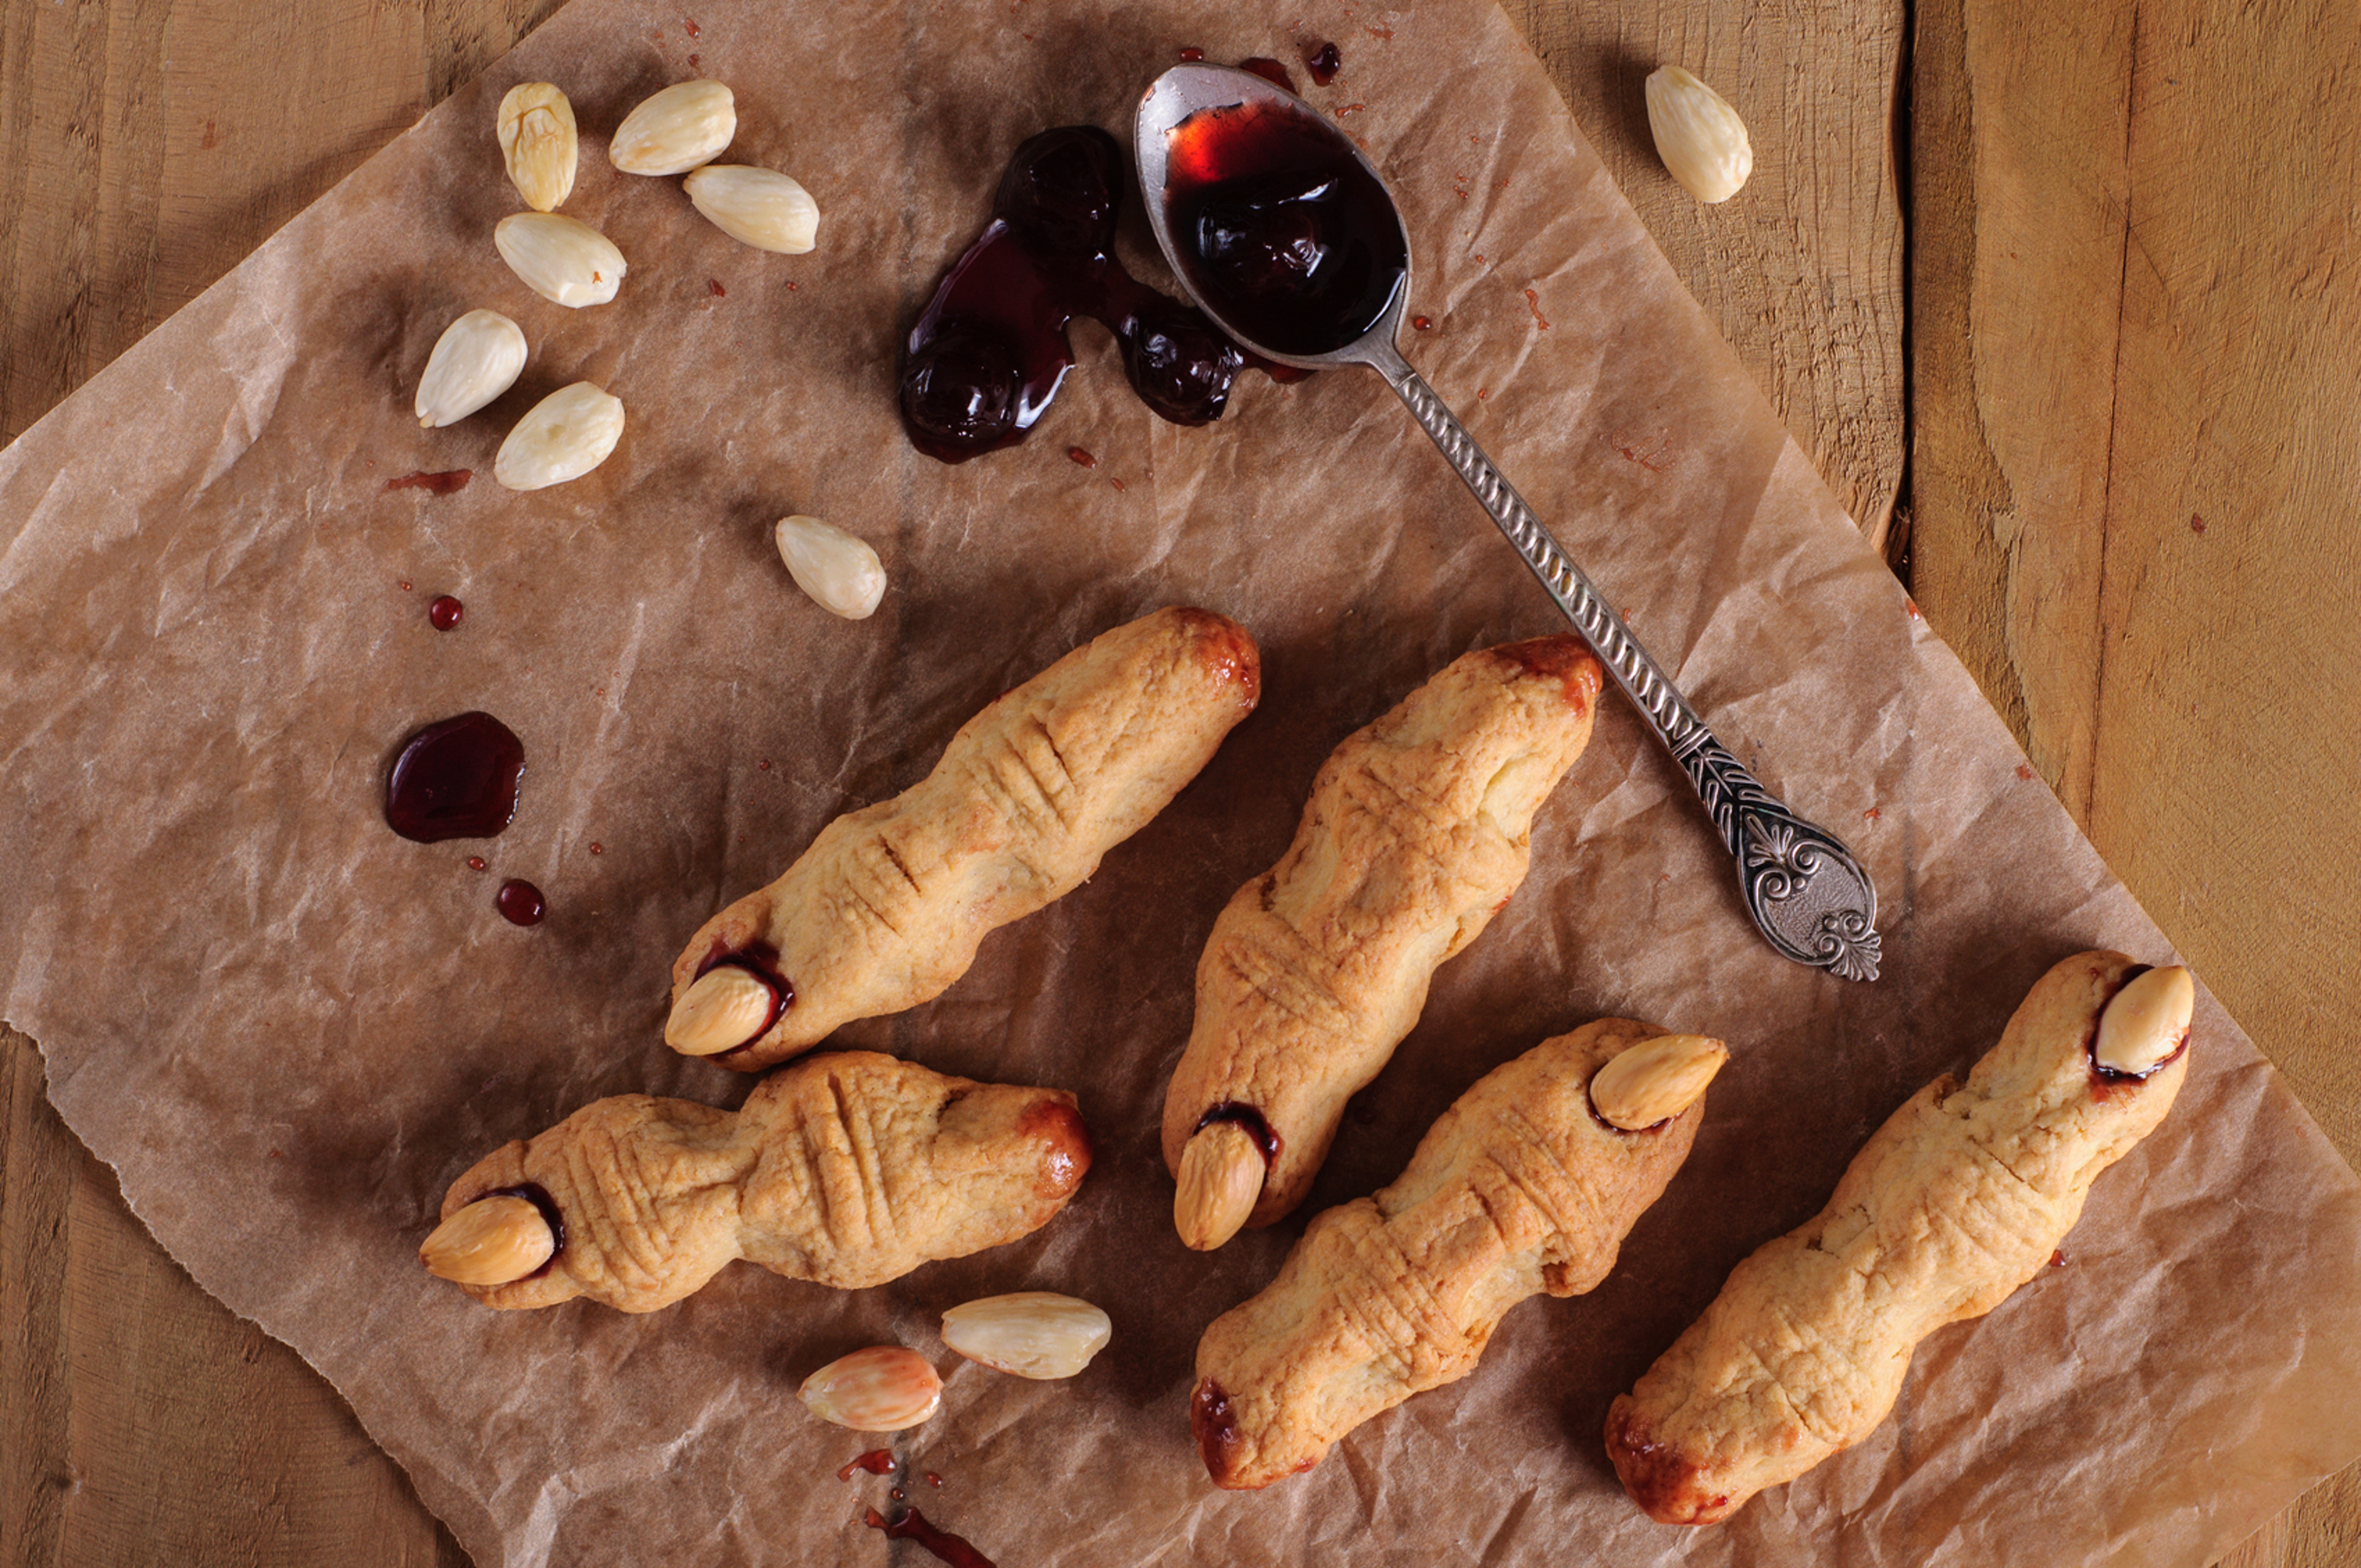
(289, 1030)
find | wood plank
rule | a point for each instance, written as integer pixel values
(146, 147)
(2132, 496)
(1802, 268)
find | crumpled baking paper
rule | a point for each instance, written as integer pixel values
(289, 1030)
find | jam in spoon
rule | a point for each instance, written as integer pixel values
(1281, 232)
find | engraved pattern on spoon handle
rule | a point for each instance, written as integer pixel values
(1811, 899)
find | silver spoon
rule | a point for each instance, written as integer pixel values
(1258, 273)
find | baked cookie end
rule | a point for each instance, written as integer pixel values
(1670, 1487)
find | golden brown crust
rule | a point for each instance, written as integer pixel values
(885, 908)
(849, 1169)
(1516, 1189)
(1960, 1196)
(1418, 829)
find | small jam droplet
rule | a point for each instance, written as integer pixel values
(1076, 455)
(933, 1479)
(520, 903)
(715, 284)
(597, 848)
(1422, 323)
(458, 779)
(444, 613)
(897, 1494)
(1326, 61)
(476, 862)
(1192, 55)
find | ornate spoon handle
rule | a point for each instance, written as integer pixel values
(1810, 897)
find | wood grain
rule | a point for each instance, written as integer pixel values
(2133, 494)
(1803, 269)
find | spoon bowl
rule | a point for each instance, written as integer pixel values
(1193, 123)
(1284, 234)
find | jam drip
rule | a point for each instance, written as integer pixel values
(989, 352)
(1245, 1117)
(1280, 228)
(458, 779)
(957, 1551)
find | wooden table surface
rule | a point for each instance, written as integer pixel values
(2061, 299)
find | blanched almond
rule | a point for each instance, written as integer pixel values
(478, 358)
(1655, 1079)
(1222, 1172)
(882, 1388)
(841, 572)
(686, 123)
(1699, 137)
(2146, 1022)
(755, 207)
(564, 436)
(1033, 1333)
(563, 259)
(490, 1242)
(539, 144)
(723, 1009)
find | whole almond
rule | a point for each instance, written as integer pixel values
(490, 1242)
(686, 123)
(841, 572)
(563, 259)
(539, 144)
(882, 1388)
(562, 437)
(1221, 1178)
(1033, 1333)
(724, 1008)
(1698, 135)
(1655, 1079)
(478, 358)
(755, 207)
(2146, 1022)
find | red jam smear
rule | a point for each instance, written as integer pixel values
(877, 1461)
(957, 1551)
(988, 354)
(442, 484)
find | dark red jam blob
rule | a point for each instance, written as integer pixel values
(441, 484)
(1249, 1118)
(990, 350)
(1191, 55)
(1271, 71)
(933, 1479)
(957, 1551)
(1280, 228)
(1326, 61)
(520, 903)
(877, 1461)
(444, 613)
(458, 779)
